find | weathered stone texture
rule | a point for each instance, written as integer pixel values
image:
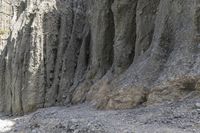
(5, 20)
(114, 53)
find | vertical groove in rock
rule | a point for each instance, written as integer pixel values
(64, 35)
(110, 52)
(71, 54)
(145, 20)
(102, 34)
(125, 33)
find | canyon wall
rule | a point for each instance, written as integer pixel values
(5, 20)
(115, 54)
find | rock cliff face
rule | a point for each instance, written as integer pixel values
(5, 18)
(113, 53)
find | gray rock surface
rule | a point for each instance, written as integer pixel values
(115, 54)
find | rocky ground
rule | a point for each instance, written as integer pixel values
(182, 116)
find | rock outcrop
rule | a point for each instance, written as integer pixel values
(114, 53)
(5, 19)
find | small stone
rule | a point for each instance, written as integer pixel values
(198, 110)
(34, 131)
(197, 105)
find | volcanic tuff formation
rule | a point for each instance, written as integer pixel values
(113, 53)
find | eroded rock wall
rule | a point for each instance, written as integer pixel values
(116, 54)
(5, 19)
